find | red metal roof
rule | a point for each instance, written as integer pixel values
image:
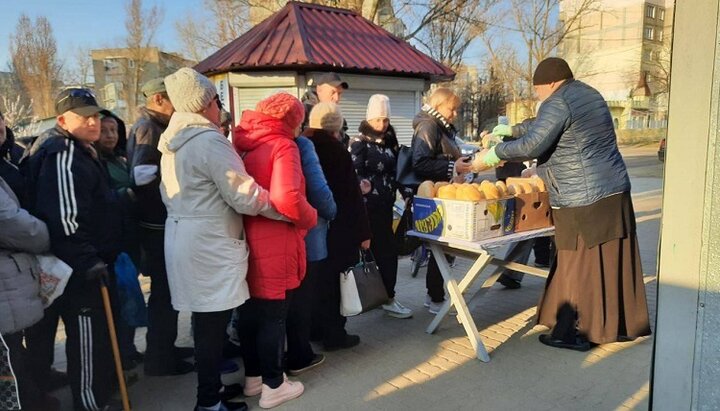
(309, 37)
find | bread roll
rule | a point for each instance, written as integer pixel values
(528, 188)
(490, 190)
(447, 192)
(426, 189)
(468, 193)
(539, 183)
(502, 188)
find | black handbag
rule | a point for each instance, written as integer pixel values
(361, 287)
(405, 175)
(404, 243)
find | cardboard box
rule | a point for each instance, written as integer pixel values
(465, 220)
(532, 211)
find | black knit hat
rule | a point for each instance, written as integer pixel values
(551, 69)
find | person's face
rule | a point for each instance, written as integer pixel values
(108, 135)
(543, 91)
(327, 93)
(379, 124)
(86, 129)
(162, 104)
(213, 110)
(3, 131)
(448, 109)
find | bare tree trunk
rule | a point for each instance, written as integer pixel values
(141, 25)
(34, 60)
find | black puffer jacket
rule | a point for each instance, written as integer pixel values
(574, 140)
(434, 150)
(70, 191)
(374, 156)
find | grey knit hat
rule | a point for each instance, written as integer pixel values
(189, 91)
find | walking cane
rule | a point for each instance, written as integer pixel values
(114, 343)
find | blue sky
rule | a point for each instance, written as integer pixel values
(100, 24)
(87, 23)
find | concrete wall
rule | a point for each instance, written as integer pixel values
(686, 373)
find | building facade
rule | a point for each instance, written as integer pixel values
(622, 48)
(113, 70)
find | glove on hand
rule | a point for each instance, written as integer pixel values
(502, 130)
(491, 159)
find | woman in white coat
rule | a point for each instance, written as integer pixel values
(206, 190)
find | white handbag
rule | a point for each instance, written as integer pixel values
(361, 288)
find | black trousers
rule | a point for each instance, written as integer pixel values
(299, 319)
(162, 318)
(332, 324)
(383, 246)
(27, 388)
(261, 326)
(544, 252)
(91, 369)
(209, 336)
(434, 281)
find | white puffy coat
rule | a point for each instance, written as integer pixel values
(206, 189)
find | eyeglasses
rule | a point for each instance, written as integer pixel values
(219, 103)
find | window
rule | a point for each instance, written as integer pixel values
(659, 35)
(646, 55)
(131, 63)
(649, 33)
(649, 11)
(661, 14)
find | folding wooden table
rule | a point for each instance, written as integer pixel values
(477, 250)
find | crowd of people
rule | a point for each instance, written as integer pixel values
(248, 228)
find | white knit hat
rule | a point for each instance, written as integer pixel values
(189, 91)
(326, 116)
(378, 107)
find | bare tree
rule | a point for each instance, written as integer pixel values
(541, 34)
(447, 37)
(222, 22)
(34, 61)
(80, 74)
(141, 25)
(15, 111)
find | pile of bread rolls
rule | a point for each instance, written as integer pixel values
(486, 190)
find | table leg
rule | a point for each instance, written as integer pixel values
(457, 300)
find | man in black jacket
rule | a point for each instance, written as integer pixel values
(161, 355)
(70, 192)
(329, 88)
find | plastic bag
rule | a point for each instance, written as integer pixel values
(54, 276)
(132, 302)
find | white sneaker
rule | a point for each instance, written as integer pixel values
(427, 302)
(288, 390)
(394, 309)
(434, 308)
(253, 386)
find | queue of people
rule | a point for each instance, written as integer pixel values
(258, 228)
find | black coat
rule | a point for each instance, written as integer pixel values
(350, 226)
(434, 150)
(374, 157)
(70, 191)
(573, 138)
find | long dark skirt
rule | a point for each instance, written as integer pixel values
(598, 290)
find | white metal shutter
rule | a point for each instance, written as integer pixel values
(247, 98)
(403, 107)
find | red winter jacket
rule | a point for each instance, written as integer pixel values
(277, 248)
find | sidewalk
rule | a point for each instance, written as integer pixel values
(397, 366)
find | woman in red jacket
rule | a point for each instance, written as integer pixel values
(265, 141)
